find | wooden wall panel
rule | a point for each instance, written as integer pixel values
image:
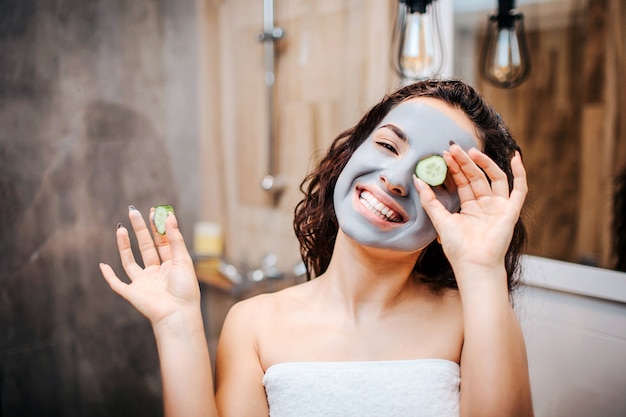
(331, 65)
(212, 205)
(616, 88)
(616, 72)
(596, 142)
(595, 185)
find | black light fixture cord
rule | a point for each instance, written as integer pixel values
(505, 18)
(417, 5)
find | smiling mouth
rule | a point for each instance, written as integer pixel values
(375, 206)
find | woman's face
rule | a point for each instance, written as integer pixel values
(375, 200)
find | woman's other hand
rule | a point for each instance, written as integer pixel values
(167, 283)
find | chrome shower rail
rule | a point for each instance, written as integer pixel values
(272, 182)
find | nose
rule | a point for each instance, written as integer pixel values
(398, 178)
(392, 187)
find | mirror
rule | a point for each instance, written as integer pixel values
(566, 117)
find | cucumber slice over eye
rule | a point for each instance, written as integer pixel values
(160, 216)
(432, 170)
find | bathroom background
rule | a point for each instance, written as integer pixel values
(107, 103)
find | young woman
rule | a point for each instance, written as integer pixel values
(409, 313)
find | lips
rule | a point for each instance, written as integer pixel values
(381, 210)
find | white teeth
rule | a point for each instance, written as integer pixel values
(379, 208)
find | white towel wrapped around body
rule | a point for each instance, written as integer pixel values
(401, 388)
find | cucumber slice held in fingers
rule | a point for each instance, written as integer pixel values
(160, 216)
(432, 170)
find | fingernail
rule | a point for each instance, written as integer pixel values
(119, 225)
(130, 208)
(452, 143)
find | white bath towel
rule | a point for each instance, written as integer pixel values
(416, 388)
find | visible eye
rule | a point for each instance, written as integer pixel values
(388, 146)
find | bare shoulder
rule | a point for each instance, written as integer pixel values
(239, 365)
(444, 309)
(449, 304)
(451, 310)
(268, 307)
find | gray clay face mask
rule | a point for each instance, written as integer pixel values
(375, 200)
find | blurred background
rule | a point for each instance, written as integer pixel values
(205, 105)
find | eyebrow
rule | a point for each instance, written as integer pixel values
(397, 131)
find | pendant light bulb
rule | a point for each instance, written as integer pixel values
(419, 45)
(505, 59)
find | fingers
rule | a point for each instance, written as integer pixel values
(469, 178)
(114, 282)
(179, 252)
(126, 253)
(170, 246)
(520, 185)
(160, 241)
(470, 171)
(499, 180)
(463, 186)
(144, 239)
(433, 207)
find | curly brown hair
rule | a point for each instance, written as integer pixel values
(315, 222)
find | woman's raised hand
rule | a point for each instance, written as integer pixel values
(167, 283)
(480, 234)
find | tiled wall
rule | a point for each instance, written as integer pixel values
(98, 110)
